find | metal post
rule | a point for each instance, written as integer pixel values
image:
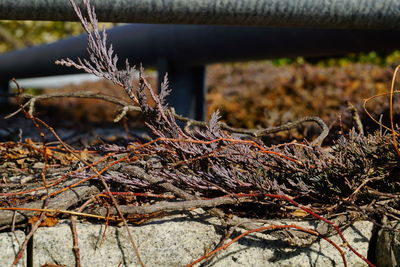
(4, 89)
(188, 84)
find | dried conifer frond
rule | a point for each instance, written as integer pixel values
(164, 92)
(206, 159)
(102, 61)
(199, 162)
(354, 159)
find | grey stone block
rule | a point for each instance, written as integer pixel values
(265, 250)
(388, 245)
(179, 240)
(170, 242)
(9, 248)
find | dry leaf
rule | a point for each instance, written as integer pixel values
(47, 222)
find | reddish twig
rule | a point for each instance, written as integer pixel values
(143, 195)
(75, 241)
(271, 227)
(309, 211)
(393, 130)
(60, 211)
(35, 226)
(340, 233)
(367, 100)
(62, 178)
(96, 175)
(235, 141)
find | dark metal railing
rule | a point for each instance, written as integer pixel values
(345, 14)
(329, 28)
(184, 50)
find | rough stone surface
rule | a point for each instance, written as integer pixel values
(179, 240)
(165, 242)
(388, 246)
(9, 248)
(265, 250)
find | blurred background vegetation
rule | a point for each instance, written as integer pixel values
(381, 58)
(20, 34)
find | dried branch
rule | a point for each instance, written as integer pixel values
(75, 241)
(138, 172)
(62, 201)
(171, 206)
(356, 117)
(127, 107)
(102, 62)
(263, 132)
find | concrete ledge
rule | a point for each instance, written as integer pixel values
(388, 245)
(266, 250)
(179, 240)
(9, 248)
(171, 242)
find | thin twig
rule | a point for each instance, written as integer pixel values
(103, 182)
(392, 126)
(356, 117)
(62, 201)
(171, 206)
(75, 241)
(128, 107)
(34, 227)
(270, 227)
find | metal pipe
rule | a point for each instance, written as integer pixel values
(346, 14)
(189, 88)
(197, 45)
